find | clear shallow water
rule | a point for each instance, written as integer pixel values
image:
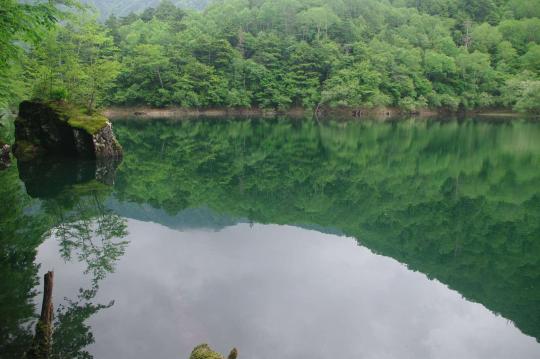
(285, 239)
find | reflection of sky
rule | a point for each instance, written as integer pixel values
(278, 292)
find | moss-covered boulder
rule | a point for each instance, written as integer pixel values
(62, 129)
(204, 351)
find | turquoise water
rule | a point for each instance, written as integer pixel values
(283, 238)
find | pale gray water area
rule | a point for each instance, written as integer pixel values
(277, 292)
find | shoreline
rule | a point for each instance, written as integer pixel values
(145, 112)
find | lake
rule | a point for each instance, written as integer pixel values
(283, 238)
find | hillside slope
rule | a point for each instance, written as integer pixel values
(124, 7)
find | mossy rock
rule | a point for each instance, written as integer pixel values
(78, 118)
(204, 351)
(63, 129)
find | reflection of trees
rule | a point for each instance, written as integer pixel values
(456, 200)
(71, 334)
(20, 234)
(93, 234)
(71, 202)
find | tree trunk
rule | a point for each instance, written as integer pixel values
(90, 106)
(159, 77)
(47, 305)
(41, 345)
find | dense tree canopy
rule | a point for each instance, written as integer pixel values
(22, 23)
(451, 54)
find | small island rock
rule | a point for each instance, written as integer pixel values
(204, 351)
(57, 128)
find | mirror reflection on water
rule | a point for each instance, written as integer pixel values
(283, 238)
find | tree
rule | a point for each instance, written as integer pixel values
(531, 60)
(522, 93)
(356, 86)
(438, 67)
(143, 73)
(20, 23)
(282, 53)
(506, 57)
(316, 21)
(477, 79)
(485, 38)
(521, 32)
(524, 8)
(77, 62)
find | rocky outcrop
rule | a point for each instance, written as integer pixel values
(61, 129)
(204, 351)
(105, 144)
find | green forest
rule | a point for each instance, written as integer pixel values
(452, 55)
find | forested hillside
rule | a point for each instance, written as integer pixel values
(444, 54)
(123, 7)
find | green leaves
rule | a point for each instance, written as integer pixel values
(22, 24)
(456, 54)
(356, 86)
(522, 93)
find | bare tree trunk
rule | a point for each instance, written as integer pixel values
(42, 343)
(90, 106)
(467, 39)
(159, 77)
(47, 305)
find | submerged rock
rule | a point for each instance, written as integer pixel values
(62, 129)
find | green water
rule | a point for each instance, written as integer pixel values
(292, 211)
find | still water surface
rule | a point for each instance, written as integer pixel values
(285, 239)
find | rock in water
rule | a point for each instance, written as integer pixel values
(204, 351)
(59, 128)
